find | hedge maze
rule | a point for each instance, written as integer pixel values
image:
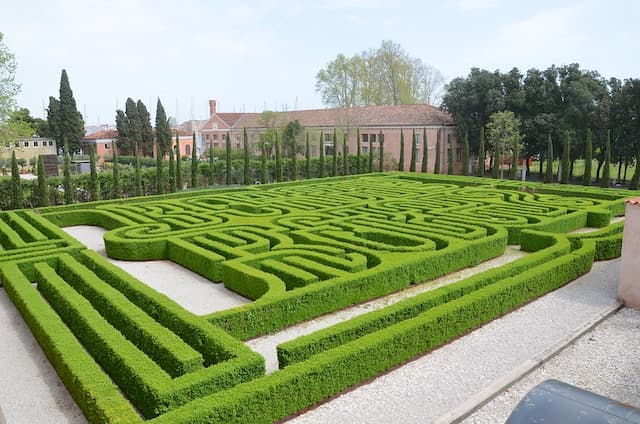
(298, 250)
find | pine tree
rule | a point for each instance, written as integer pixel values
(436, 165)
(117, 189)
(194, 162)
(137, 175)
(172, 171)
(17, 198)
(246, 157)
(334, 162)
(67, 185)
(381, 151)
(70, 122)
(425, 151)
(279, 171)
(414, 147)
(94, 183)
(179, 179)
(227, 142)
(358, 153)
(43, 186)
(159, 170)
(548, 176)
(401, 161)
(465, 154)
(480, 170)
(163, 130)
(307, 157)
(345, 155)
(321, 165)
(263, 164)
(449, 155)
(588, 159)
(211, 173)
(606, 169)
(566, 159)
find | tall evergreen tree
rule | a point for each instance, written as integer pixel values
(381, 151)
(370, 161)
(227, 142)
(436, 165)
(321, 165)
(279, 170)
(606, 171)
(449, 155)
(70, 124)
(480, 170)
(179, 179)
(211, 173)
(136, 170)
(17, 198)
(401, 161)
(548, 176)
(345, 155)
(294, 158)
(194, 162)
(43, 186)
(307, 157)
(134, 129)
(163, 130)
(358, 153)
(635, 180)
(414, 147)
(94, 183)
(465, 154)
(588, 159)
(495, 169)
(425, 151)
(172, 171)
(117, 188)
(246, 157)
(53, 120)
(513, 171)
(159, 170)
(263, 164)
(334, 162)
(146, 131)
(566, 158)
(69, 195)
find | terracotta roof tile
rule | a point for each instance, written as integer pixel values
(102, 135)
(634, 201)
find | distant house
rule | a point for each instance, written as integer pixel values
(28, 148)
(371, 121)
(103, 143)
(186, 142)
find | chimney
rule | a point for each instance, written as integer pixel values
(212, 107)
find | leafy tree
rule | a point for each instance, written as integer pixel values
(227, 159)
(401, 161)
(246, 157)
(436, 165)
(588, 159)
(94, 183)
(322, 163)
(340, 82)
(566, 158)
(307, 156)
(163, 130)
(425, 151)
(17, 199)
(179, 181)
(449, 155)
(137, 175)
(194, 162)
(334, 159)
(67, 184)
(358, 152)
(172, 172)
(13, 129)
(465, 154)
(43, 187)
(8, 86)
(159, 170)
(606, 178)
(381, 151)
(504, 135)
(548, 176)
(412, 163)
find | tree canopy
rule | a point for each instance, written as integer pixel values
(9, 88)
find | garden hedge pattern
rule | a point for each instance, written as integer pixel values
(298, 250)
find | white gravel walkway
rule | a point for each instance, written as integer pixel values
(433, 385)
(188, 289)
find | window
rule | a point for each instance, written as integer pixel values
(26, 144)
(365, 138)
(365, 150)
(107, 145)
(215, 137)
(35, 144)
(417, 139)
(372, 138)
(187, 150)
(418, 157)
(458, 155)
(17, 144)
(328, 137)
(50, 143)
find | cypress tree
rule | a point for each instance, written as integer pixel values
(465, 154)
(43, 187)
(449, 155)
(211, 173)
(425, 151)
(381, 159)
(246, 157)
(70, 123)
(566, 159)
(94, 183)
(146, 131)
(159, 170)
(370, 162)
(495, 169)
(358, 152)
(414, 147)
(17, 199)
(69, 198)
(179, 181)
(172, 172)
(322, 169)
(588, 159)
(279, 171)
(263, 163)
(635, 180)
(480, 170)
(401, 161)
(436, 165)
(194, 162)
(163, 130)
(138, 176)
(548, 176)
(307, 157)
(514, 162)
(345, 155)
(294, 159)
(227, 142)
(606, 171)
(334, 159)
(117, 189)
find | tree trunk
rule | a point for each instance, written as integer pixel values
(598, 170)
(541, 170)
(571, 169)
(624, 177)
(619, 167)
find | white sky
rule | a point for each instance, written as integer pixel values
(252, 55)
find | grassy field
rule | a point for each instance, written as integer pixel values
(579, 167)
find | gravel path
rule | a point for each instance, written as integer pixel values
(431, 386)
(188, 289)
(605, 361)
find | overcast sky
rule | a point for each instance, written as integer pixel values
(252, 55)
